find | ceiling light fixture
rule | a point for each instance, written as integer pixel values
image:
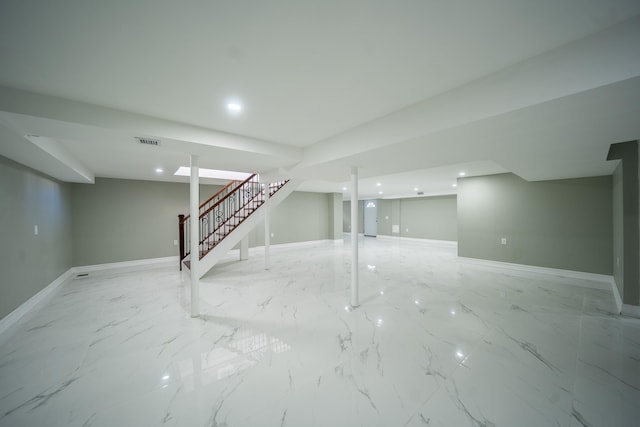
(415, 189)
(159, 170)
(380, 192)
(378, 184)
(344, 188)
(454, 185)
(234, 107)
(462, 174)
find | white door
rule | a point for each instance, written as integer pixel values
(370, 218)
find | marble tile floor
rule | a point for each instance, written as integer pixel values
(436, 342)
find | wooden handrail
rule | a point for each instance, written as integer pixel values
(225, 197)
(186, 217)
(216, 195)
(219, 226)
(277, 187)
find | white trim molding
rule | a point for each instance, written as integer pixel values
(30, 304)
(258, 250)
(125, 264)
(347, 234)
(447, 243)
(631, 311)
(600, 281)
(616, 295)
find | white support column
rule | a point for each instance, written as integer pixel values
(194, 204)
(244, 248)
(267, 231)
(354, 238)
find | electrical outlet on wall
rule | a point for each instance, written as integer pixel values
(503, 241)
(175, 243)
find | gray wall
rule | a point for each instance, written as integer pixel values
(432, 218)
(336, 222)
(626, 208)
(618, 231)
(386, 215)
(564, 224)
(28, 262)
(346, 216)
(301, 217)
(123, 220)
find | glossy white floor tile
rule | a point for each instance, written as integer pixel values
(436, 342)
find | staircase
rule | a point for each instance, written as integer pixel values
(228, 216)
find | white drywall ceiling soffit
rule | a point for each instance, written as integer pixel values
(214, 174)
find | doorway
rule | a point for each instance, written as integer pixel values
(370, 218)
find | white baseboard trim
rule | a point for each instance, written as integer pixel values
(600, 281)
(447, 243)
(125, 264)
(259, 249)
(616, 295)
(300, 244)
(30, 304)
(631, 311)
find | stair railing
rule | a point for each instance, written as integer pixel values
(219, 218)
(184, 225)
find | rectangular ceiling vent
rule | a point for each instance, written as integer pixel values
(148, 141)
(420, 193)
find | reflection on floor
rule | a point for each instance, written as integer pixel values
(436, 341)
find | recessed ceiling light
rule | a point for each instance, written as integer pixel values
(380, 192)
(344, 188)
(454, 185)
(159, 170)
(379, 184)
(415, 189)
(462, 174)
(234, 107)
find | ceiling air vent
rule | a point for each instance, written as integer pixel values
(148, 141)
(420, 193)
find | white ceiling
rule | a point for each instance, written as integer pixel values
(411, 92)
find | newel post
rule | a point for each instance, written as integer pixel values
(181, 238)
